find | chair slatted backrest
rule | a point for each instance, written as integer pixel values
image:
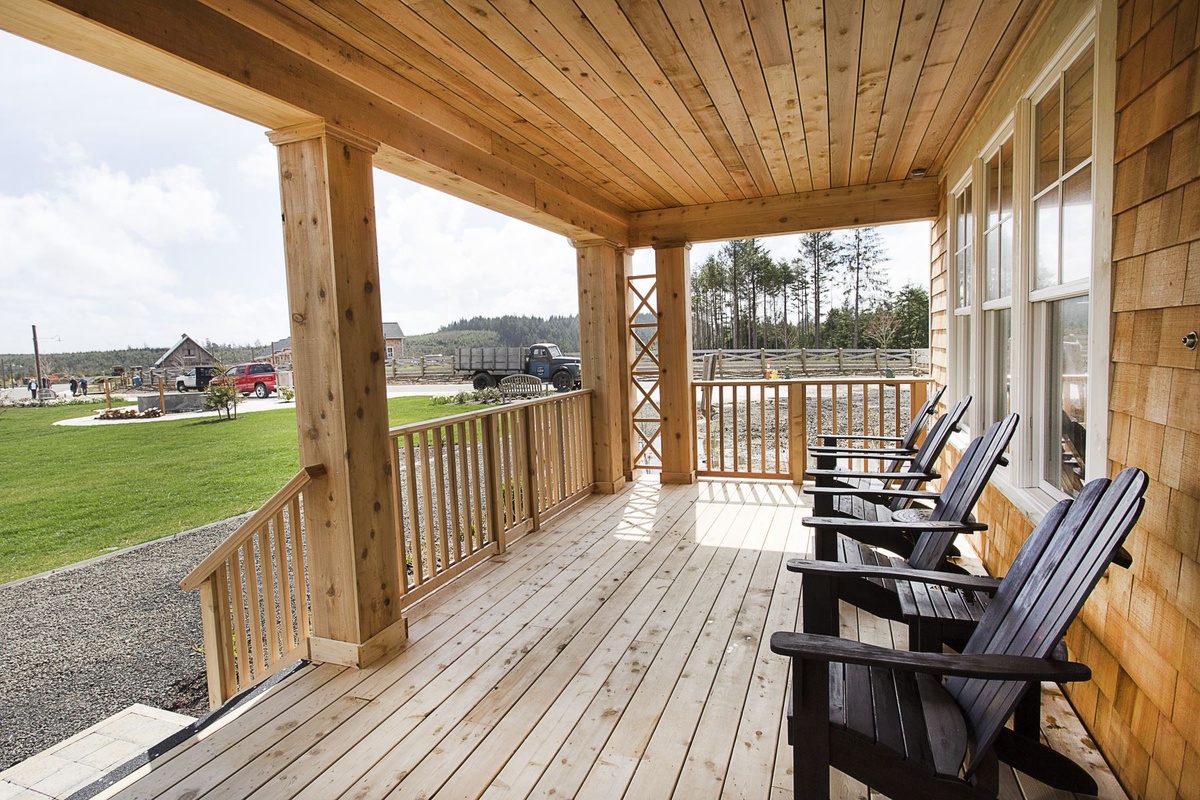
(909, 442)
(963, 490)
(1044, 592)
(931, 449)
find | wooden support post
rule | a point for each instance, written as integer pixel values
(602, 341)
(162, 394)
(341, 392)
(797, 431)
(674, 276)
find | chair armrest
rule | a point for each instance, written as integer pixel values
(975, 583)
(845, 524)
(883, 476)
(884, 453)
(814, 647)
(859, 438)
(910, 494)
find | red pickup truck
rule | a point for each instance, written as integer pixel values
(256, 378)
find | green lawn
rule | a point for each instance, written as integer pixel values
(68, 494)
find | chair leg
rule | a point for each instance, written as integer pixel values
(810, 751)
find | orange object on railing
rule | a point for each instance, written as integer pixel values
(763, 428)
(254, 594)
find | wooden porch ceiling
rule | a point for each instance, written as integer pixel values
(592, 117)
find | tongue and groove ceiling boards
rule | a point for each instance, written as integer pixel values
(603, 118)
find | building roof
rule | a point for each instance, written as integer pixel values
(182, 340)
(391, 330)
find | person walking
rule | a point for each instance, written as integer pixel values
(83, 386)
(33, 388)
(74, 388)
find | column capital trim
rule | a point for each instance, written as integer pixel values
(580, 244)
(672, 246)
(320, 128)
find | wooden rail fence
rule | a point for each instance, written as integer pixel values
(799, 363)
(464, 488)
(763, 428)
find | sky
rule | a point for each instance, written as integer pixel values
(129, 216)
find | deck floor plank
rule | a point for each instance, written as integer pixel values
(622, 651)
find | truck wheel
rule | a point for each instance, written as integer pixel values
(483, 380)
(563, 381)
(260, 390)
(179, 387)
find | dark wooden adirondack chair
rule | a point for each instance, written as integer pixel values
(903, 472)
(924, 535)
(931, 725)
(904, 444)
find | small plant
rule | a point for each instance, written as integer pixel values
(287, 393)
(222, 397)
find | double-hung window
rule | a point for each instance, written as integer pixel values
(1062, 251)
(1028, 274)
(963, 243)
(997, 272)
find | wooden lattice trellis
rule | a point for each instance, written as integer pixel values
(644, 371)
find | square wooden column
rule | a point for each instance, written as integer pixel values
(601, 317)
(673, 278)
(341, 392)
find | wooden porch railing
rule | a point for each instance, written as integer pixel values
(254, 594)
(467, 486)
(763, 428)
(464, 488)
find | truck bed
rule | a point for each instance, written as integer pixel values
(496, 360)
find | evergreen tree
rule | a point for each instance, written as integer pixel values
(820, 253)
(862, 257)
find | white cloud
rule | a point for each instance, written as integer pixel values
(261, 165)
(89, 261)
(442, 259)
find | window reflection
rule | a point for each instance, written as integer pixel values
(1066, 393)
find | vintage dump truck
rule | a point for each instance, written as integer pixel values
(487, 365)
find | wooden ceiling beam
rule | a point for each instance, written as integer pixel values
(192, 50)
(826, 209)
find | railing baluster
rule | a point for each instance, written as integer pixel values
(480, 535)
(299, 572)
(413, 534)
(258, 661)
(288, 639)
(266, 559)
(440, 510)
(237, 599)
(430, 541)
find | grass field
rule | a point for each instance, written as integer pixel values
(68, 494)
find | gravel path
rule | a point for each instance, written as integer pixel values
(84, 643)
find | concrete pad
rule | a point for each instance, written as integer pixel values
(87, 756)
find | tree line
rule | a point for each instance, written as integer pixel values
(832, 293)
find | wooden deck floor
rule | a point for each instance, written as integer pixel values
(620, 652)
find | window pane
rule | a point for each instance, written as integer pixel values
(992, 191)
(1077, 132)
(1045, 236)
(1077, 225)
(1045, 138)
(999, 349)
(1006, 179)
(992, 264)
(1066, 393)
(1006, 254)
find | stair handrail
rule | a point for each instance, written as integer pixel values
(234, 540)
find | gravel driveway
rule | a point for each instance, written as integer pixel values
(84, 643)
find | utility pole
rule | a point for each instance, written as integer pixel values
(37, 361)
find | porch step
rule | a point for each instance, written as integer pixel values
(70, 765)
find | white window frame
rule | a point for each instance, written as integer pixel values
(1022, 481)
(391, 352)
(963, 349)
